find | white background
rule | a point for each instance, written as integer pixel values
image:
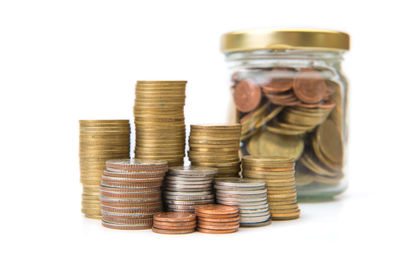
(61, 61)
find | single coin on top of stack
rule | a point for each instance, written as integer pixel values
(217, 219)
(249, 195)
(99, 140)
(130, 193)
(186, 187)
(160, 121)
(216, 146)
(278, 173)
(174, 223)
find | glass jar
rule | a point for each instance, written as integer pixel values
(290, 95)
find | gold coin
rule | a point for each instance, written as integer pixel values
(330, 141)
(269, 116)
(269, 144)
(315, 166)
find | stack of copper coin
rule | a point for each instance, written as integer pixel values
(216, 146)
(217, 219)
(100, 140)
(249, 195)
(174, 223)
(160, 121)
(186, 187)
(278, 173)
(130, 193)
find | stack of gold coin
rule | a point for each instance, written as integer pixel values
(100, 140)
(160, 121)
(216, 146)
(130, 193)
(278, 173)
(187, 187)
(249, 195)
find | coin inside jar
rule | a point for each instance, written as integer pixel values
(309, 86)
(247, 95)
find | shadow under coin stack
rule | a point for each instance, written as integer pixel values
(130, 193)
(216, 146)
(186, 187)
(160, 121)
(217, 219)
(174, 223)
(249, 195)
(278, 173)
(99, 140)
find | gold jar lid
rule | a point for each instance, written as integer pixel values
(258, 39)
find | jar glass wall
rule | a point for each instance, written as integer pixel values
(292, 103)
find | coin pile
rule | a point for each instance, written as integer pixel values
(130, 193)
(216, 146)
(217, 219)
(186, 187)
(99, 140)
(278, 173)
(160, 121)
(298, 109)
(174, 223)
(249, 195)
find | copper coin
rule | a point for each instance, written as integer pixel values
(324, 105)
(219, 220)
(247, 95)
(281, 80)
(218, 226)
(175, 217)
(208, 231)
(215, 209)
(309, 86)
(174, 227)
(172, 232)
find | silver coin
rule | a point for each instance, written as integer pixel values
(243, 204)
(172, 193)
(192, 170)
(255, 214)
(243, 192)
(231, 188)
(242, 198)
(189, 178)
(253, 211)
(188, 202)
(128, 215)
(255, 224)
(254, 219)
(189, 197)
(209, 182)
(242, 183)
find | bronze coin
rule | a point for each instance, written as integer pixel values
(175, 217)
(236, 218)
(174, 226)
(172, 232)
(281, 80)
(218, 226)
(309, 86)
(247, 95)
(208, 231)
(215, 209)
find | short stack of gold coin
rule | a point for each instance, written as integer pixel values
(216, 146)
(160, 121)
(100, 140)
(278, 174)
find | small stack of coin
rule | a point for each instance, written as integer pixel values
(99, 140)
(160, 121)
(130, 193)
(217, 219)
(174, 223)
(216, 146)
(249, 195)
(186, 187)
(278, 173)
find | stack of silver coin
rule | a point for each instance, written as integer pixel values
(187, 187)
(249, 195)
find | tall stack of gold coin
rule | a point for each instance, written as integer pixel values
(100, 140)
(216, 146)
(160, 121)
(278, 174)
